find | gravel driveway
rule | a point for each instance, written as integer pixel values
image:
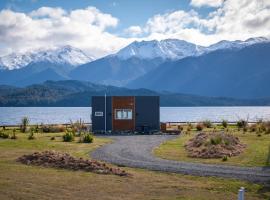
(136, 151)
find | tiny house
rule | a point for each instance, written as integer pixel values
(125, 113)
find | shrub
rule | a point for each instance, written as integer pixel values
(224, 123)
(78, 127)
(253, 128)
(245, 129)
(226, 142)
(215, 140)
(180, 128)
(4, 135)
(68, 136)
(87, 138)
(242, 123)
(224, 158)
(266, 126)
(31, 135)
(199, 127)
(189, 126)
(53, 128)
(13, 136)
(24, 123)
(207, 124)
(36, 128)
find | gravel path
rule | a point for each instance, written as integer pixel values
(136, 151)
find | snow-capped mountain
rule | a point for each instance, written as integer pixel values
(63, 55)
(175, 49)
(237, 44)
(166, 49)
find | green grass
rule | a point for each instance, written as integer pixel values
(18, 181)
(255, 154)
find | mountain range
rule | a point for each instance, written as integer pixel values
(77, 93)
(236, 69)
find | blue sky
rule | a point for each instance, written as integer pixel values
(101, 27)
(128, 12)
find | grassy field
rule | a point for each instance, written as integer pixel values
(255, 154)
(18, 181)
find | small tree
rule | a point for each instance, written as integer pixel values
(224, 123)
(24, 124)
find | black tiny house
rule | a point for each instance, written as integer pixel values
(125, 113)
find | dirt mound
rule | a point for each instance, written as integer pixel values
(214, 145)
(65, 161)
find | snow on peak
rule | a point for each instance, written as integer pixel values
(177, 49)
(237, 44)
(165, 49)
(63, 55)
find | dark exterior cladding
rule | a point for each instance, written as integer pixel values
(147, 113)
(125, 113)
(98, 113)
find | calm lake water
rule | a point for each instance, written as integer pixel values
(37, 115)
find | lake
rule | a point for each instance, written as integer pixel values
(53, 115)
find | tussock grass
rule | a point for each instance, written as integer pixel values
(18, 181)
(255, 153)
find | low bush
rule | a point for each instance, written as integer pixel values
(207, 123)
(68, 136)
(224, 158)
(189, 127)
(53, 128)
(24, 123)
(215, 140)
(86, 138)
(253, 128)
(36, 128)
(266, 126)
(78, 127)
(199, 127)
(180, 128)
(13, 136)
(242, 123)
(4, 135)
(31, 136)
(224, 123)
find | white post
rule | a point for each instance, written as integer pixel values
(105, 115)
(241, 193)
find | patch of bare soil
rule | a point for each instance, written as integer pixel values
(65, 161)
(214, 145)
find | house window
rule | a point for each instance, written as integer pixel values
(99, 114)
(123, 114)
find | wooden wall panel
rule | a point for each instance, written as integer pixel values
(121, 102)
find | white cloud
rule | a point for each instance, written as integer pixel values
(50, 27)
(209, 3)
(134, 31)
(234, 20)
(87, 28)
